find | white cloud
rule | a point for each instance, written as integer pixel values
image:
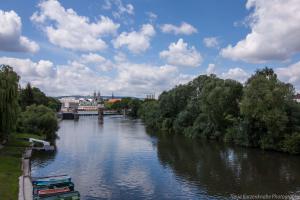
(92, 58)
(29, 69)
(99, 62)
(211, 42)
(184, 28)
(120, 57)
(211, 69)
(143, 78)
(136, 42)
(152, 16)
(290, 74)
(236, 74)
(65, 28)
(180, 54)
(274, 35)
(72, 78)
(11, 38)
(120, 8)
(79, 77)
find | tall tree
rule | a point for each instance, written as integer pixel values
(264, 108)
(8, 100)
(26, 96)
(32, 95)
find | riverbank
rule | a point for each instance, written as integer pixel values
(10, 165)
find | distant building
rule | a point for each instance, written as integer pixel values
(113, 100)
(69, 103)
(297, 98)
(99, 96)
(87, 108)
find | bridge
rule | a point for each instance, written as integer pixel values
(75, 113)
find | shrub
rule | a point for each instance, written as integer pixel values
(39, 120)
(291, 144)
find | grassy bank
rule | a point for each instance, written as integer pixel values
(10, 165)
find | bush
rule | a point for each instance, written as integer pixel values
(39, 120)
(149, 112)
(291, 144)
(167, 125)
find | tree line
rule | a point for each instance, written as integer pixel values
(261, 113)
(25, 110)
(128, 105)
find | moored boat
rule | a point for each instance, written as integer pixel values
(50, 180)
(37, 188)
(55, 191)
(74, 195)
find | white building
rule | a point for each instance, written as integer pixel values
(297, 98)
(69, 103)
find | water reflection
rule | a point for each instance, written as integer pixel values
(42, 158)
(116, 159)
(227, 170)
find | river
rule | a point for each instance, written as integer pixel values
(120, 160)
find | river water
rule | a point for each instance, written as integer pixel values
(119, 159)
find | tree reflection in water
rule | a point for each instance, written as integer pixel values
(225, 170)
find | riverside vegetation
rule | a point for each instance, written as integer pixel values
(22, 111)
(261, 113)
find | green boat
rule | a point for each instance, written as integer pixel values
(50, 180)
(74, 195)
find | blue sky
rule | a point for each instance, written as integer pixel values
(146, 46)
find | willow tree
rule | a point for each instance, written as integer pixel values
(8, 100)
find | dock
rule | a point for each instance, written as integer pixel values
(25, 185)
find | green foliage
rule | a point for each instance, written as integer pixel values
(39, 120)
(54, 104)
(261, 114)
(291, 143)
(149, 111)
(130, 105)
(174, 101)
(8, 100)
(134, 105)
(120, 105)
(219, 106)
(264, 108)
(32, 95)
(26, 96)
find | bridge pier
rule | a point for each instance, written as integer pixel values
(100, 114)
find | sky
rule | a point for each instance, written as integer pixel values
(137, 47)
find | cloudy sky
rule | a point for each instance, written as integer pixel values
(146, 46)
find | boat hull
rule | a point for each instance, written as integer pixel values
(64, 196)
(37, 188)
(51, 180)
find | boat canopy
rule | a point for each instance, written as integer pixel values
(45, 143)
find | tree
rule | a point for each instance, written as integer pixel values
(264, 109)
(260, 114)
(134, 105)
(32, 95)
(8, 100)
(150, 113)
(26, 96)
(54, 104)
(39, 120)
